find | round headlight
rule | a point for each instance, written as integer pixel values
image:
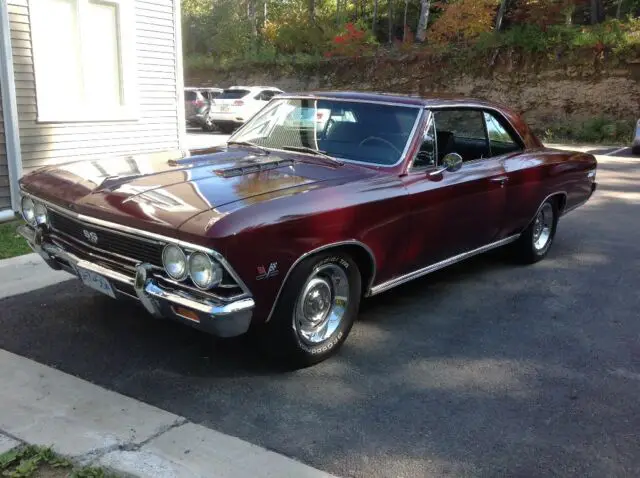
(204, 272)
(29, 210)
(40, 213)
(174, 262)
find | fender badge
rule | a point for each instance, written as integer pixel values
(265, 273)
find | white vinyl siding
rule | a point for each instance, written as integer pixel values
(156, 126)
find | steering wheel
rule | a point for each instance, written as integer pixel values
(382, 140)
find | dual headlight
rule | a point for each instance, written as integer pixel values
(34, 212)
(202, 269)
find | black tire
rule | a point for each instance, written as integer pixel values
(226, 129)
(208, 127)
(526, 249)
(635, 150)
(281, 338)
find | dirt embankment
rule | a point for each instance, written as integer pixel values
(547, 90)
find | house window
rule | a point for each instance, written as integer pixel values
(83, 59)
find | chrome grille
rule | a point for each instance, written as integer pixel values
(129, 247)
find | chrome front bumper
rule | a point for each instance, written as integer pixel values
(224, 319)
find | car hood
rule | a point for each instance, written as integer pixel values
(165, 190)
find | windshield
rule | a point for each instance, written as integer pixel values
(233, 94)
(366, 132)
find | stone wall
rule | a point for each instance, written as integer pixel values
(545, 91)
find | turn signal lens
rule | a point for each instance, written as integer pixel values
(174, 262)
(29, 210)
(204, 272)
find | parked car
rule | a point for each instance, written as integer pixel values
(237, 104)
(287, 228)
(196, 101)
(635, 147)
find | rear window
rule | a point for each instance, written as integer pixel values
(233, 94)
(190, 95)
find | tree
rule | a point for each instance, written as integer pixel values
(390, 14)
(375, 17)
(404, 20)
(425, 7)
(597, 11)
(501, 13)
(312, 11)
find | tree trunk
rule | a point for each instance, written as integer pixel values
(312, 12)
(619, 9)
(404, 21)
(355, 9)
(251, 15)
(424, 20)
(390, 12)
(375, 18)
(501, 12)
(596, 11)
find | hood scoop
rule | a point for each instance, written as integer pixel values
(253, 168)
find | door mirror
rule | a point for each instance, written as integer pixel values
(452, 162)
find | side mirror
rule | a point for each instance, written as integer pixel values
(452, 162)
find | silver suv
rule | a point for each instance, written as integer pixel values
(196, 101)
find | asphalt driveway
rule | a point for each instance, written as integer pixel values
(484, 369)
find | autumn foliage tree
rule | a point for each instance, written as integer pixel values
(463, 20)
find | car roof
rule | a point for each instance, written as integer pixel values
(400, 99)
(253, 88)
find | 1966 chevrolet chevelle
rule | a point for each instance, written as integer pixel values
(318, 201)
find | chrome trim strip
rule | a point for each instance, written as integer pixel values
(439, 265)
(351, 100)
(140, 234)
(350, 242)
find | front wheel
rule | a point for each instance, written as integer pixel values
(535, 242)
(316, 310)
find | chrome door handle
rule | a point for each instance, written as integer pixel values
(500, 179)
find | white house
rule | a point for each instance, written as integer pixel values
(86, 79)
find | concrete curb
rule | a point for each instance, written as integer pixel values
(27, 273)
(94, 426)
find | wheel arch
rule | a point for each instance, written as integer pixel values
(560, 198)
(359, 251)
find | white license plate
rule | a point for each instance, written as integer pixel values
(96, 282)
(224, 108)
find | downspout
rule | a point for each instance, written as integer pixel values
(10, 113)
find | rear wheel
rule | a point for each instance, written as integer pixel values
(226, 129)
(535, 242)
(316, 310)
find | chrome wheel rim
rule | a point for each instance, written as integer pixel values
(322, 304)
(542, 227)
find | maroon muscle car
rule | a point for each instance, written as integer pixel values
(319, 200)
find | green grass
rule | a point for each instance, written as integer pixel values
(597, 130)
(11, 244)
(38, 462)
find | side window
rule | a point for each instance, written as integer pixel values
(427, 154)
(500, 141)
(264, 95)
(461, 131)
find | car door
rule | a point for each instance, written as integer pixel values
(454, 212)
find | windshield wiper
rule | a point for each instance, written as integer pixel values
(315, 152)
(249, 143)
